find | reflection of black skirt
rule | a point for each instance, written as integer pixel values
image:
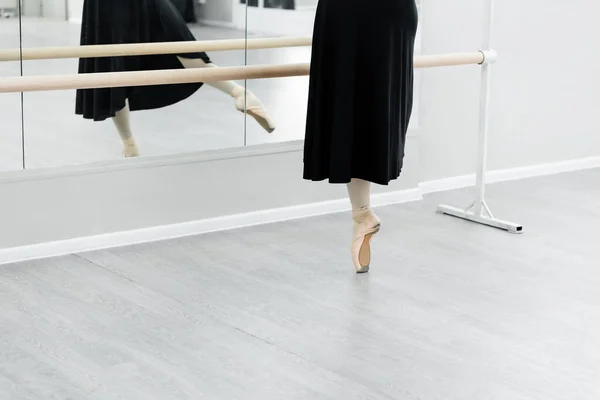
(361, 90)
(132, 21)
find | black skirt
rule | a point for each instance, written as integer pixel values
(187, 9)
(132, 21)
(361, 90)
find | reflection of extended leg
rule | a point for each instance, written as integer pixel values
(242, 97)
(366, 223)
(122, 122)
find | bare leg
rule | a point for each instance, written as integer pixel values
(366, 223)
(245, 101)
(123, 124)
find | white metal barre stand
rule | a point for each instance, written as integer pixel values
(478, 211)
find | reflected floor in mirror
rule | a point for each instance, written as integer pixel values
(208, 120)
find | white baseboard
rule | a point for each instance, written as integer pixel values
(167, 232)
(159, 233)
(445, 184)
(510, 174)
(544, 169)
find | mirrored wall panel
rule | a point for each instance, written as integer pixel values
(89, 126)
(11, 151)
(284, 98)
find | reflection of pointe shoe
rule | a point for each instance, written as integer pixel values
(366, 224)
(130, 148)
(254, 108)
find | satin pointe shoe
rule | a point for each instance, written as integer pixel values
(255, 109)
(130, 148)
(366, 224)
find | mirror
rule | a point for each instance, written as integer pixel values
(285, 98)
(11, 150)
(80, 127)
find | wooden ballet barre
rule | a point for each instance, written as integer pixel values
(452, 59)
(138, 49)
(176, 76)
(143, 78)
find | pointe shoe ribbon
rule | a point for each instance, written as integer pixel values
(253, 107)
(366, 224)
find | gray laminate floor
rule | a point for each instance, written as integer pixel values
(451, 310)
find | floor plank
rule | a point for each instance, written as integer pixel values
(450, 310)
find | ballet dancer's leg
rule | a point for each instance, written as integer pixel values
(244, 99)
(359, 192)
(123, 124)
(365, 222)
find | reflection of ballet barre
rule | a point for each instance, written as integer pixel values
(162, 77)
(137, 49)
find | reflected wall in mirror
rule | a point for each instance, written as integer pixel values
(11, 150)
(287, 97)
(80, 127)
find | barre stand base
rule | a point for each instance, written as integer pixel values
(483, 218)
(478, 211)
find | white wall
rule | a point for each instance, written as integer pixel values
(32, 8)
(545, 95)
(53, 9)
(9, 4)
(217, 11)
(545, 92)
(75, 10)
(278, 22)
(39, 206)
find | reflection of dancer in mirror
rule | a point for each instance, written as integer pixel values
(360, 102)
(141, 21)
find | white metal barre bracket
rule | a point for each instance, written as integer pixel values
(486, 218)
(489, 56)
(478, 211)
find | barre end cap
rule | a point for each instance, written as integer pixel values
(489, 56)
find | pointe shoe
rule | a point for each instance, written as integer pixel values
(130, 149)
(366, 224)
(253, 107)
